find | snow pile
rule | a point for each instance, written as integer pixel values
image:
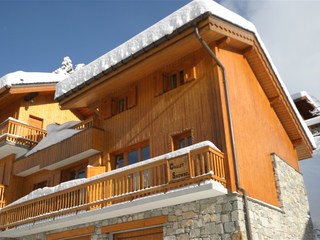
(55, 133)
(48, 190)
(20, 77)
(164, 27)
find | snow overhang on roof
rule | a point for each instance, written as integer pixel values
(29, 78)
(164, 29)
(184, 16)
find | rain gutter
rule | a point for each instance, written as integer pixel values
(233, 145)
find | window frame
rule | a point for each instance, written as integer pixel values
(186, 136)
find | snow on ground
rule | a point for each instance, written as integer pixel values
(20, 77)
(55, 133)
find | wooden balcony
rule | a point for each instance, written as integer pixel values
(18, 137)
(87, 142)
(160, 175)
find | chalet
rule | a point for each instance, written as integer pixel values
(27, 107)
(188, 132)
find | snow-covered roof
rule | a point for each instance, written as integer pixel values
(25, 78)
(165, 27)
(304, 95)
(144, 39)
(55, 133)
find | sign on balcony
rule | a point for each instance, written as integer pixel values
(179, 168)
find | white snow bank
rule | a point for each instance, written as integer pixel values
(20, 77)
(48, 190)
(164, 27)
(55, 133)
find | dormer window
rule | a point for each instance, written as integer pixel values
(174, 76)
(118, 103)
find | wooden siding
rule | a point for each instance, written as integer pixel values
(119, 186)
(90, 138)
(159, 117)
(258, 130)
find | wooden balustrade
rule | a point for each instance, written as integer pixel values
(2, 201)
(21, 133)
(145, 178)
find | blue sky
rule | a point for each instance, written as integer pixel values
(35, 35)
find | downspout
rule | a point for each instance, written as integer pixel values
(233, 145)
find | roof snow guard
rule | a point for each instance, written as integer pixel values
(150, 37)
(153, 36)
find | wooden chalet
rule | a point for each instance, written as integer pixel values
(27, 107)
(197, 114)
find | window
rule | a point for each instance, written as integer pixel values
(174, 79)
(182, 140)
(40, 185)
(131, 155)
(118, 103)
(72, 173)
(35, 121)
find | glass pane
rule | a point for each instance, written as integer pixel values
(82, 173)
(133, 157)
(181, 73)
(189, 141)
(121, 105)
(181, 143)
(119, 161)
(145, 153)
(173, 81)
(73, 175)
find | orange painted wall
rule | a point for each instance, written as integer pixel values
(258, 131)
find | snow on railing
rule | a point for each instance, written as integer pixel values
(179, 169)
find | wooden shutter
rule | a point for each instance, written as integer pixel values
(190, 74)
(132, 97)
(107, 108)
(158, 81)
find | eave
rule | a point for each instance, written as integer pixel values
(181, 42)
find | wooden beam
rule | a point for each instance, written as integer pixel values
(32, 88)
(275, 100)
(297, 142)
(148, 222)
(72, 233)
(223, 42)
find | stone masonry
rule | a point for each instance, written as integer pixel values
(222, 217)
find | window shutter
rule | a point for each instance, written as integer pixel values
(107, 108)
(132, 97)
(158, 80)
(2, 165)
(190, 74)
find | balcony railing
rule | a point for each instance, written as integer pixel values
(2, 201)
(171, 171)
(20, 133)
(88, 138)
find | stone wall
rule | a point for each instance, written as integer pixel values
(222, 217)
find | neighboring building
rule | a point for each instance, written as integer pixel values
(310, 111)
(190, 134)
(27, 107)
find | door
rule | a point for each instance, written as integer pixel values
(146, 234)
